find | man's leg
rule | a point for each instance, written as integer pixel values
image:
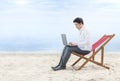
(64, 58)
(64, 50)
(66, 55)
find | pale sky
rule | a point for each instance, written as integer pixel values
(47, 19)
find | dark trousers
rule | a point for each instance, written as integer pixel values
(67, 53)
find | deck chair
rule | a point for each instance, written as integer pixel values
(96, 47)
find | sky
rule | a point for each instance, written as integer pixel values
(33, 25)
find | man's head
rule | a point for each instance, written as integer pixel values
(78, 22)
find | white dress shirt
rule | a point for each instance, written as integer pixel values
(84, 42)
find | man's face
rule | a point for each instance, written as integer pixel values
(78, 25)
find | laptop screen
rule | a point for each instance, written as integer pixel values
(64, 39)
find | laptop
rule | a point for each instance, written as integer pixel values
(64, 39)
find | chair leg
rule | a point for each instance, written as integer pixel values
(83, 64)
(95, 62)
(102, 56)
(93, 58)
(76, 61)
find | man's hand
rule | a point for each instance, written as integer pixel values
(72, 44)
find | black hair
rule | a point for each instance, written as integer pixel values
(78, 20)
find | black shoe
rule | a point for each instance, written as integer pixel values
(58, 68)
(55, 66)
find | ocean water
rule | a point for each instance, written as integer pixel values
(44, 45)
(38, 45)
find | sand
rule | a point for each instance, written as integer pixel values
(37, 67)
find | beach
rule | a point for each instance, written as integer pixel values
(32, 66)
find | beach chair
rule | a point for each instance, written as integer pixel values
(96, 47)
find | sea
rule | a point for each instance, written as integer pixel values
(45, 45)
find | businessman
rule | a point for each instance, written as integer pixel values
(83, 46)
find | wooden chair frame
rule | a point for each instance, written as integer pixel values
(95, 50)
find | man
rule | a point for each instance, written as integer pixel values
(81, 47)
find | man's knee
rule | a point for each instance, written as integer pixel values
(67, 45)
(70, 49)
